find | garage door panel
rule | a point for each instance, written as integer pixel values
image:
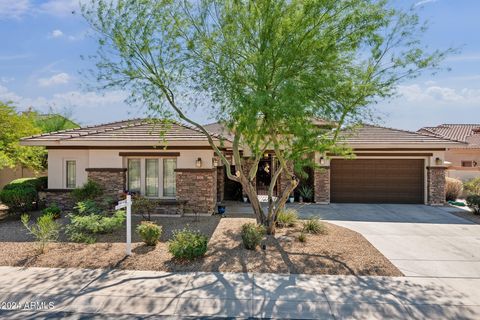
(377, 180)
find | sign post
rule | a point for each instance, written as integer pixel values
(127, 203)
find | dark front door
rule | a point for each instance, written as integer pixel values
(377, 180)
(264, 175)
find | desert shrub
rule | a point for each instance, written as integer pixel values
(187, 244)
(83, 228)
(86, 207)
(45, 230)
(53, 210)
(252, 235)
(314, 226)
(38, 184)
(143, 206)
(20, 199)
(453, 189)
(306, 193)
(89, 191)
(302, 237)
(472, 187)
(473, 202)
(149, 232)
(287, 218)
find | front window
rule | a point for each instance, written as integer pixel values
(71, 174)
(169, 166)
(134, 178)
(467, 164)
(151, 177)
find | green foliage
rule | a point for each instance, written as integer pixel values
(306, 192)
(53, 210)
(287, 218)
(53, 121)
(472, 186)
(302, 237)
(149, 232)
(453, 188)
(13, 127)
(87, 207)
(142, 205)
(19, 199)
(45, 230)
(473, 202)
(314, 226)
(84, 228)
(252, 235)
(89, 191)
(188, 244)
(39, 183)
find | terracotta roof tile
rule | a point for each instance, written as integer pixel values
(469, 133)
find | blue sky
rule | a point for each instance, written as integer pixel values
(43, 40)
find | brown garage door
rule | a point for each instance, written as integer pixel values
(377, 181)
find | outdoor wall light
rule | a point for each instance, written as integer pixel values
(198, 163)
(438, 161)
(322, 160)
(215, 162)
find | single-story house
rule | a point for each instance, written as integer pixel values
(175, 163)
(464, 161)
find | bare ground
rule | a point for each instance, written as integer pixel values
(339, 251)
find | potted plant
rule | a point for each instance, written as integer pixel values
(221, 209)
(245, 199)
(291, 198)
(306, 193)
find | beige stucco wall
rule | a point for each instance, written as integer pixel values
(456, 156)
(97, 158)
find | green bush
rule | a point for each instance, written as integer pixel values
(302, 237)
(473, 202)
(306, 193)
(86, 207)
(149, 232)
(187, 244)
(45, 230)
(142, 205)
(252, 235)
(314, 226)
(83, 228)
(89, 191)
(453, 188)
(19, 199)
(53, 210)
(287, 218)
(38, 184)
(472, 187)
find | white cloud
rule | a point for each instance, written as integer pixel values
(61, 8)
(422, 2)
(59, 78)
(14, 9)
(71, 99)
(56, 33)
(437, 94)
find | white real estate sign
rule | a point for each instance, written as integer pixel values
(127, 203)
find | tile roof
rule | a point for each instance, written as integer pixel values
(128, 130)
(469, 133)
(376, 135)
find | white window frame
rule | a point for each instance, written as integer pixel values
(64, 175)
(143, 175)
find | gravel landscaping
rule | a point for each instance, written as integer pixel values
(339, 251)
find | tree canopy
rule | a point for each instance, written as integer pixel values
(266, 69)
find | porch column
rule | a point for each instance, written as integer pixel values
(321, 184)
(436, 185)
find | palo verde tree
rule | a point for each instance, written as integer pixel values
(267, 67)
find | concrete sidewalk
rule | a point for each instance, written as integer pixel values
(83, 293)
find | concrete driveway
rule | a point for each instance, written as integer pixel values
(419, 240)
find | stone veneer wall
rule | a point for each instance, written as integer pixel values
(283, 180)
(198, 187)
(220, 183)
(60, 197)
(112, 180)
(321, 184)
(436, 185)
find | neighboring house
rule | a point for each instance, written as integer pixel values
(465, 162)
(175, 164)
